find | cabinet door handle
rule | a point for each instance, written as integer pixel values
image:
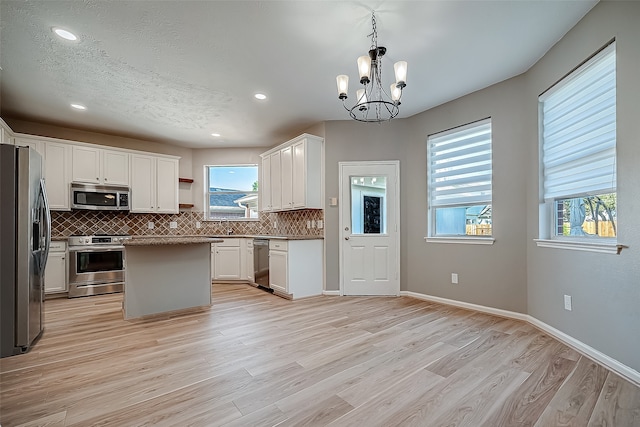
(346, 238)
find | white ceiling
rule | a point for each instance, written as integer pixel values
(176, 71)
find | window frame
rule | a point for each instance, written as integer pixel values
(548, 218)
(431, 208)
(208, 193)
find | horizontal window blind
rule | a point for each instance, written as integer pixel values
(460, 168)
(579, 130)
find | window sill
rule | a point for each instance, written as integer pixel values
(464, 240)
(605, 248)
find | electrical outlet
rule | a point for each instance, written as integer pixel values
(150, 225)
(320, 224)
(173, 224)
(313, 223)
(198, 225)
(275, 224)
(454, 278)
(567, 302)
(308, 224)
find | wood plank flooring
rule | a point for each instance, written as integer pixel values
(254, 359)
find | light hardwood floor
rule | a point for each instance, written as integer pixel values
(255, 359)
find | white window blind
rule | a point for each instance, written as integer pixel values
(460, 165)
(579, 130)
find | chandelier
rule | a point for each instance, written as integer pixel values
(373, 103)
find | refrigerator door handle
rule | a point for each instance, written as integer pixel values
(45, 206)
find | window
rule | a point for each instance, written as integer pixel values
(578, 137)
(232, 192)
(459, 174)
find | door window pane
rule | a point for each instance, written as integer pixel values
(368, 204)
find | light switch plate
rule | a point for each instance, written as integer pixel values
(198, 225)
(308, 224)
(173, 224)
(320, 224)
(150, 225)
(567, 302)
(454, 278)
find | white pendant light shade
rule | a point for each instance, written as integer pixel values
(343, 85)
(396, 92)
(361, 96)
(364, 68)
(400, 69)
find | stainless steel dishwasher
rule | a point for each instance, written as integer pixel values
(261, 262)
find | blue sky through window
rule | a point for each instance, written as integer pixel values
(235, 178)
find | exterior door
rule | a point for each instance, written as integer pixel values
(370, 228)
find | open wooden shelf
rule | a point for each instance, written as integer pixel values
(188, 180)
(185, 205)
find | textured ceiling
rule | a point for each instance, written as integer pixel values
(176, 71)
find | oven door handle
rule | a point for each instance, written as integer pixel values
(95, 248)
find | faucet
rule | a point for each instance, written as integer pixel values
(229, 229)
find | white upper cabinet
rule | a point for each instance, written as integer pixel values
(6, 135)
(99, 166)
(154, 184)
(57, 175)
(265, 185)
(115, 167)
(294, 178)
(286, 164)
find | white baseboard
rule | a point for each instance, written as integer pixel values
(467, 305)
(332, 293)
(619, 368)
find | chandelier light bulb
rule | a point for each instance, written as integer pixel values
(396, 92)
(364, 68)
(343, 86)
(400, 69)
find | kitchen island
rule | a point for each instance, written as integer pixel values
(166, 274)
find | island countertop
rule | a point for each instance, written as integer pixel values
(169, 240)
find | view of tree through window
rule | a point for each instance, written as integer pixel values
(232, 192)
(587, 216)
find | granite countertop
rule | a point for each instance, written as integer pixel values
(261, 236)
(159, 239)
(168, 240)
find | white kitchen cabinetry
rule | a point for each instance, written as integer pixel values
(248, 260)
(294, 179)
(226, 259)
(6, 135)
(57, 174)
(154, 184)
(265, 185)
(295, 267)
(98, 166)
(271, 183)
(286, 171)
(55, 273)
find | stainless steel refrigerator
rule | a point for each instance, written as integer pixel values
(25, 234)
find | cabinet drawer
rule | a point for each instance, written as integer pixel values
(58, 246)
(279, 245)
(229, 242)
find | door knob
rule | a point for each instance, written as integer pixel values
(346, 238)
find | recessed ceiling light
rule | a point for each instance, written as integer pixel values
(78, 106)
(67, 35)
(260, 96)
(215, 134)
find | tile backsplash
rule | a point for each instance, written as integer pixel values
(290, 223)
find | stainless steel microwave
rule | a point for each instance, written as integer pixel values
(99, 197)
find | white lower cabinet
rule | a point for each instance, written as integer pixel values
(55, 273)
(226, 260)
(295, 267)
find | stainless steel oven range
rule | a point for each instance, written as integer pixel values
(96, 265)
